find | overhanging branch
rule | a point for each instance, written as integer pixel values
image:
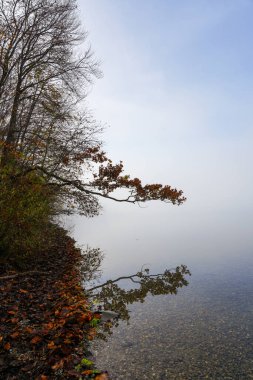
(78, 185)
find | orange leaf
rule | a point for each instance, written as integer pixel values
(51, 345)
(84, 317)
(11, 312)
(15, 335)
(7, 346)
(103, 376)
(1, 338)
(50, 326)
(23, 291)
(14, 320)
(28, 330)
(87, 372)
(58, 365)
(36, 340)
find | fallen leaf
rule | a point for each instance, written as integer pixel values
(23, 291)
(15, 335)
(29, 330)
(14, 320)
(51, 345)
(49, 326)
(7, 346)
(87, 372)
(36, 340)
(11, 312)
(58, 365)
(103, 376)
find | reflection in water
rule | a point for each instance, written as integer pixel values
(205, 332)
(117, 298)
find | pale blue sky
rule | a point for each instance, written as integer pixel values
(177, 98)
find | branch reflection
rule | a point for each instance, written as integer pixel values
(115, 298)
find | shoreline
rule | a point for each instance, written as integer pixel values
(46, 320)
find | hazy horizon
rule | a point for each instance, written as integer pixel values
(177, 98)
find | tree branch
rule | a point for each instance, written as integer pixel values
(22, 274)
(78, 185)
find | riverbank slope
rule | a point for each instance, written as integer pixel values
(46, 323)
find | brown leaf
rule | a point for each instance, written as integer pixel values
(49, 325)
(51, 345)
(15, 335)
(14, 320)
(102, 376)
(67, 341)
(58, 365)
(29, 330)
(7, 346)
(87, 372)
(11, 312)
(36, 340)
(23, 291)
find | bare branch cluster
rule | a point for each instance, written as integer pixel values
(44, 125)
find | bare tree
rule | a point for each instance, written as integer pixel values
(41, 78)
(43, 81)
(44, 127)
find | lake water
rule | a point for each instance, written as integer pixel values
(206, 330)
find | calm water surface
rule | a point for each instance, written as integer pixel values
(203, 332)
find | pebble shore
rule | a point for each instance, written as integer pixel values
(204, 332)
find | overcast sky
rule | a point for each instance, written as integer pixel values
(177, 99)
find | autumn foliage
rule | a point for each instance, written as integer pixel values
(45, 128)
(51, 163)
(110, 177)
(45, 320)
